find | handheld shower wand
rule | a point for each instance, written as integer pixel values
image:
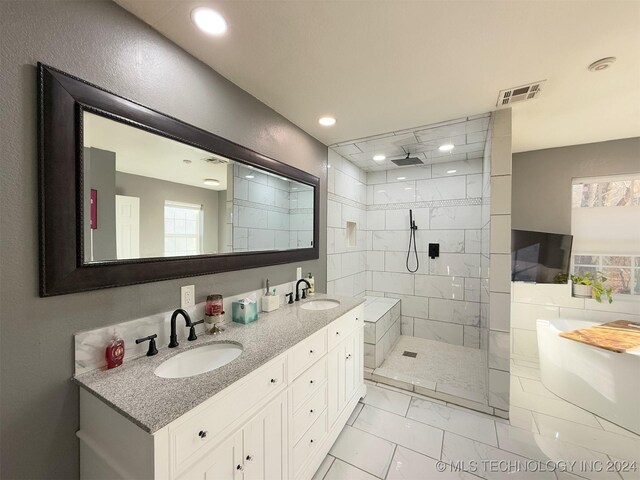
(412, 238)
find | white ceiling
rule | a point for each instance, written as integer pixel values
(468, 135)
(139, 152)
(384, 66)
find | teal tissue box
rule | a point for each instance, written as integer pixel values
(241, 313)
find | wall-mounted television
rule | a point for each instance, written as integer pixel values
(540, 257)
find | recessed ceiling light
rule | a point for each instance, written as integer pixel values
(209, 21)
(447, 147)
(379, 158)
(601, 64)
(451, 171)
(211, 181)
(327, 121)
(248, 176)
(401, 178)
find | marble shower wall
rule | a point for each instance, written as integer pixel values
(346, 227)
(441, 300)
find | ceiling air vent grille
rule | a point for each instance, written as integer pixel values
(215, 160)
(519, 94)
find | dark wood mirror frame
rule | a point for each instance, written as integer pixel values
(62, 99)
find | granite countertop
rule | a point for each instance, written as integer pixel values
(152, 402)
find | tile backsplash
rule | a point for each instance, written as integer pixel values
(90, 345)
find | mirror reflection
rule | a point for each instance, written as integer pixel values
(149, 196)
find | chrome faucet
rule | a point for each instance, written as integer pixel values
(173, 338)
(304, 290)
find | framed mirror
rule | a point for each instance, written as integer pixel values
(129, 195)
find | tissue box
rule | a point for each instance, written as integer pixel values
(270, 303)
(244, 313)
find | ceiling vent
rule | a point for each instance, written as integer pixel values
(215, 160)
(519, 94)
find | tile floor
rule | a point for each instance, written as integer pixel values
(440, 367)
(395, 434)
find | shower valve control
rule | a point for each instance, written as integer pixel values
(434, 250)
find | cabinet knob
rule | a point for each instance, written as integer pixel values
(349, 357)
(202, 434)
(310, 381)
(311, 441)
(274, 380)
(311, 411)
(357, 319)
(311, 352)
(240, 468)
(249, 458)
(337, 333)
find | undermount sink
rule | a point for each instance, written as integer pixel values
(199, 360)
(320, 305)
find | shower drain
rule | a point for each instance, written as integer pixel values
(410, 354)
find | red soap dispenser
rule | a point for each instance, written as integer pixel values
(114, 354)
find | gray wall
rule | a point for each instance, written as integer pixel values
(99, 172)
(153, 193)
(102, 43)
(541, 186)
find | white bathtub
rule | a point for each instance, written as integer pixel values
(602, 382)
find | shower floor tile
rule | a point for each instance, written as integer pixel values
(440, 367)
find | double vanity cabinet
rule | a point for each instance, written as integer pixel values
(276, 422)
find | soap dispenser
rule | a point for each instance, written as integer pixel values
(114, 353)
(311, 290)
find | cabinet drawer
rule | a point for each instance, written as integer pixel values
(309, 412)
(343, 326)
(308, 383)
(307, 352)
(188, 444)
(309, 442)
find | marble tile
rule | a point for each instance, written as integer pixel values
(472, 241)
(457, 448)
(454, 311)
(388, 400)
(453, 420)
(409, 433)
(363, 450)
(376, 219)
(399, 219)
(543, 449)
(613, 428)
(471, 336)
(451, 241)
(406, 326)
(398, 192)
(439, 331)
(522, 418)
(390, 240)
(462, 167)
(472, 289)
(592, 438)
(439, 286)
(409, 465)
(393, 282)
(474, 185)
(499, 389)
(343, 471)
(323, 468)
(444, 188)
(410, 173)
(334, 214)
(499, 350)
(356, 411)
(455, 264)
(552, 406)
(466, 217)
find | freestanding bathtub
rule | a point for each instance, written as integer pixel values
(600, 381)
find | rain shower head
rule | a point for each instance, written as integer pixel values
(404, 162)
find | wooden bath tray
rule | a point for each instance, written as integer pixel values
(619, 336)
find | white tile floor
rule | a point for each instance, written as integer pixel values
(396, 435)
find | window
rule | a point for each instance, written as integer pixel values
(605, 223)
(182, 229)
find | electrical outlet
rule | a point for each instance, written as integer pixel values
(187, 296)
(298, 273)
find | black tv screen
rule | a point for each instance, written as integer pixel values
(540, 257)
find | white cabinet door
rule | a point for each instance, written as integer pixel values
(336, 382)
(265, 443)
(350, 365)
(223, 463)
